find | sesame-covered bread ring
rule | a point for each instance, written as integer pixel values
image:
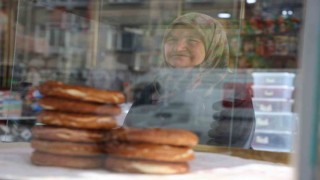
(155, 152)
(177, 137)
(74, 120)
(51, 103)
(55, 133)
(144, 166)
(67, 148)
(81, 93)
(81, 162)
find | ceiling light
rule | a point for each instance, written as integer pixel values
(251, 1)
(224, 15)
(284, 13)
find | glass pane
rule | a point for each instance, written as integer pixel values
(226, 70)
(223, 69)
(164, 91)
(239, 92)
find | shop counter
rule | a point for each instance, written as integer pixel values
(232, 164)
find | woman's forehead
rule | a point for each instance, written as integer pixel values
(177, 30)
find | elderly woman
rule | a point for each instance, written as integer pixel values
(195, 89)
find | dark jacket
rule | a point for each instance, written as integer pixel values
(228, 121)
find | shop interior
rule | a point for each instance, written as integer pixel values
(116, 45)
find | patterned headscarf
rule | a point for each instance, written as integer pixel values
(213, 35)
(216, 49)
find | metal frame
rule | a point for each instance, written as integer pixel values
(308, 99)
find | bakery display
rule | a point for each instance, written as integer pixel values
(75, 120)
(80, 131)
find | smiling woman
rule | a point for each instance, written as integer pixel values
(195, 75)
(184, 47)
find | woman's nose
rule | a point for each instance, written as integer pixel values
(180, 45)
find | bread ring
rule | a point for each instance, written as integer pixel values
(81, 93)
(50, 103)
(76, 120)
(150, 152)
(46, 159)
(54, 133)
(67, 148)
(144, 166)
(177, 137)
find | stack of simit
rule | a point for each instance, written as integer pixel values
(149, 150)
(75, 119)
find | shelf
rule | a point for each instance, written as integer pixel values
(274, 56)
(278, 56)
(290, 33)
(18, 118)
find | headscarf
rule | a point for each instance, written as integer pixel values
(216, 48)
(213, 35)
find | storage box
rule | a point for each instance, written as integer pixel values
(272, 105)
(276, 121)
(12, 108)
(278, 78)
(273, 91)
(270, 141)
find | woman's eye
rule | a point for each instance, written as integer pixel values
(194, 40)
(171, 39)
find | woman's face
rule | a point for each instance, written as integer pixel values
(183, 47)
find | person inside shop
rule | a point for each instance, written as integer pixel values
(195, 89)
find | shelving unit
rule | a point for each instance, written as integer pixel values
(270, 34)
(275, 50)
(18, 118)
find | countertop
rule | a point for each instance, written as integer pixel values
(15, 164)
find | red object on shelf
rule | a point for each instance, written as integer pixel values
(240, 93)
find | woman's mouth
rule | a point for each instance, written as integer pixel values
(180, 55)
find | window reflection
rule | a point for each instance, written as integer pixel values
(119, 45)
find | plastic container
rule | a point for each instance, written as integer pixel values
(282, 122)
(125, 107)
(273, 91)
(277, 78)
(269, 141)
(272, 105)
(12, 108)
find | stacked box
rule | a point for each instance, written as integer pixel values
(1, 103)
(10, 104)
(273, 102)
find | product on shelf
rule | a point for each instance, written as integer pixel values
(272, 105)
(272, 121)
(1, 103)
(273, 78)
(284, 92)
(273, 141)
(10, 104)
